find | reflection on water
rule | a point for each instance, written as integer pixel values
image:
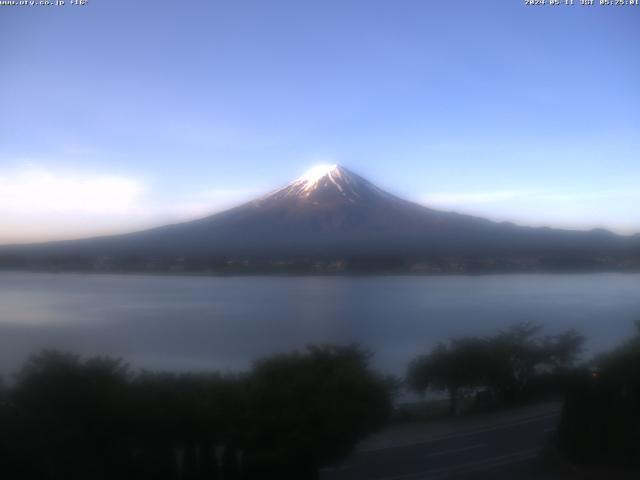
(176, 322)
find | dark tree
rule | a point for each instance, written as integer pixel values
(506, 362)
(453, 367)
(519, 354)
(514, 355)
(71, 410)
(308, 409)
(600, 422)
(71, 418)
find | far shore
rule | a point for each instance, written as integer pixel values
(214, 274)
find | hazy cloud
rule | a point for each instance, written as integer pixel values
(501, 196)
(459, 198)
(37, 190)
(39, 204)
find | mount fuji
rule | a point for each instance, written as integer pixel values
(331, 212)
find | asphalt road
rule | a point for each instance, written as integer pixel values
(504, 449)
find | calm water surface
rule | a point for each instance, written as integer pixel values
(177, 323)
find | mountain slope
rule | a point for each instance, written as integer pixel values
(331, 211)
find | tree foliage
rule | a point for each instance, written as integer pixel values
(71, 418)
(317, 404)
(600, 422)
(451, 367)
(505, 362)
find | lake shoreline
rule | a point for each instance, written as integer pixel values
(186, 274)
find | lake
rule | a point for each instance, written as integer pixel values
(195, 323)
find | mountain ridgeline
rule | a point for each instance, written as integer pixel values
(331, 219)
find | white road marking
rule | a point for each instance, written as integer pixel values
(524, 421)
(486, 464)
(457, 450)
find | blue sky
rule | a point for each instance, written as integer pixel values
(120, 115)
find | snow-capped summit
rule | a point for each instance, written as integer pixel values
(329, 183)
(314, 174)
